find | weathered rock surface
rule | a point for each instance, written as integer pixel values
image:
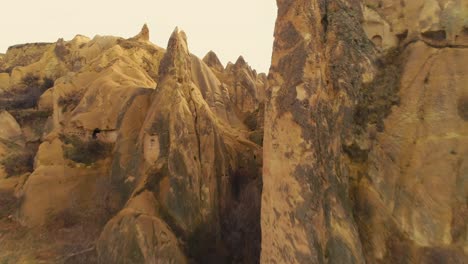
(193, 166)
(246, 89)
(139, 144)
(212, 60)
(137, 235)
(365, 149)
(9, 128)
(320, 59)
(408, 164)
(410, 176)
(115, 150)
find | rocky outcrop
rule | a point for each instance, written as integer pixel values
(194, 168)
(140, 147)
(246, 89)
(408, 170)
(211, 59)
(144, 34)
(115, 150)
(137, 235)
(364, 146)
(408, 159)
(321, 58)
(435, 22)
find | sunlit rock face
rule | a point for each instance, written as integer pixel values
(126, 152)
(246, 89)
(365, 134)
(202, 174)
(353, 149)
(408, 160)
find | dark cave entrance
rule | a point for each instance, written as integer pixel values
(96, 131)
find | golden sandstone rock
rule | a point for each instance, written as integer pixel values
(137, 137)
(366, 169)
(353, 149)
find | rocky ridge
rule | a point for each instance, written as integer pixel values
(352, 150)
(128, 137)
(365, 143)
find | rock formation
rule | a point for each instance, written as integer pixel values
(365, 146)
(321, 58)
(408, 158)
(140, 148)
(353, 149)
(190, 163)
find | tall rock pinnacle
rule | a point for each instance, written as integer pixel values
(316, 69)
(144, 34)
(212, 60)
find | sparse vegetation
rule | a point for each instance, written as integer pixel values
(8, 204)
(251, 120)
(30, 81)
(18, 163)
(70, 101)
(27, 94)
(6, 70)
(35, 119)
(86, 152)
(23, 116)
(47, 83)
(379, 96)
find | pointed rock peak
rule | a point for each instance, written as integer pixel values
(80, 38)
(144, 34)
(177, 53)
(241, 62)
(212, 60)
(178, 42)
(229, 66)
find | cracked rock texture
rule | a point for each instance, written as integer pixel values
(365, 146)
(352, 150)
(115, 150)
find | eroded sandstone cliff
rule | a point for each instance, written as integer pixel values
(122, 152)
(365, 144)
(353, 149)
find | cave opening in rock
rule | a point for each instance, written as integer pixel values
(377, 40)
(96, 131)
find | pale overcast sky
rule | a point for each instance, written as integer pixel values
(230, 28)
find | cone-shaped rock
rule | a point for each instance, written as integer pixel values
(189, 162)
(212, 60)
(144, 34)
